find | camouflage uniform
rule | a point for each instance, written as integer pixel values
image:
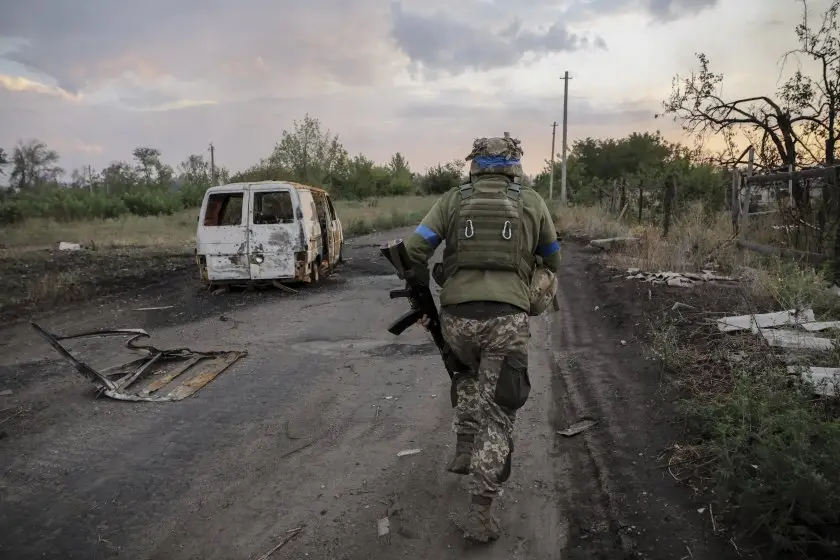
(487, 346)
(497, 234)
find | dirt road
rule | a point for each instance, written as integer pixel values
(305, 431)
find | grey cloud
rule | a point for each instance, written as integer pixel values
(660, 10)
(468, 107)
(214, 41)
(438, 42)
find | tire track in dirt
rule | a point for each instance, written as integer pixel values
(619, 502)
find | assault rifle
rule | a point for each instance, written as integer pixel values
(422, 303)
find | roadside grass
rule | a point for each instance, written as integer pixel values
(758, 445)
(178, 231)
(127, 251)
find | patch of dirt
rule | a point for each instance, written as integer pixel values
(33, 281)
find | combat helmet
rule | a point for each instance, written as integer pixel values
(496, 156)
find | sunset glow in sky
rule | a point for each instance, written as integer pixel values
(96, 78)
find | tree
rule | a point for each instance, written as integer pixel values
(4, 161)
(799, 126)
(399, 164)
(309, 154)
(34, 164)
(195, 170)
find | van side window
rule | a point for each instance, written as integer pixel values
(224, 209)
(273, 208)
(332, 210)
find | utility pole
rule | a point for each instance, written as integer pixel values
(566, 79)
(551, 176)
(212, 165)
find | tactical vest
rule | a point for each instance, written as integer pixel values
(488, 231)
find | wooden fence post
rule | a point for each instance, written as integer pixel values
(641, 199)
(735, 201)
(667, 204)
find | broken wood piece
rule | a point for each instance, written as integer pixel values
(290, 535)
(408, 452)
(280, 286)
(610, 242)
(815, 259)
(580, 426)
(765, 320)
(784, 338)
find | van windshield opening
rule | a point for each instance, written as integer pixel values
(273, 207)
(224, 209)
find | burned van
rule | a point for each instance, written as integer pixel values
(273, 231)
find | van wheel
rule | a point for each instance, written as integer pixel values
(314, 273)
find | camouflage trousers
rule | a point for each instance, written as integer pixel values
(497, 349)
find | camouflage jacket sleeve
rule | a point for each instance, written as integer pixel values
(548, 246)
(428, 236)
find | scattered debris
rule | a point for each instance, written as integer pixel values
(408, 452)
(67, 246)
(797, 340)
(142, 379)
(679, 279)
(154, 308)
(679, 305)
(765, 320)
(796, 337)
(6, 393)
(825, 379)
(290, 534)
(580, 426)
(383, 527)
(280, 286)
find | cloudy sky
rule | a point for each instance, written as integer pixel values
(96, 78)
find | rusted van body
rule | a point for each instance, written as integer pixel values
(273, 231)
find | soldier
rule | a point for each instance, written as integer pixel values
(499, 267)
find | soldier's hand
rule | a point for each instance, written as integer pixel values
(424, 322)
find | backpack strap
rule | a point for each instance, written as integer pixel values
(466, 190)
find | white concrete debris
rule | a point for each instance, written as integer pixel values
(826, 380)
(765, 320)
(797, 336)
(67, 246)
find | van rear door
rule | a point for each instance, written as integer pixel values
(275, 233)
(222, 236)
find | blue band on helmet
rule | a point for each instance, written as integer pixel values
(494, 161)
(548, 249)
(427, 233)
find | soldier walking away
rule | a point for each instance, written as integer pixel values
(499, 269)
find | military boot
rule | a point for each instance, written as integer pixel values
(481, 524)
(463, 455)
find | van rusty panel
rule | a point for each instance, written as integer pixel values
(227, 260)
(272, 251)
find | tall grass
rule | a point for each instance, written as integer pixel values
(178, 230)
